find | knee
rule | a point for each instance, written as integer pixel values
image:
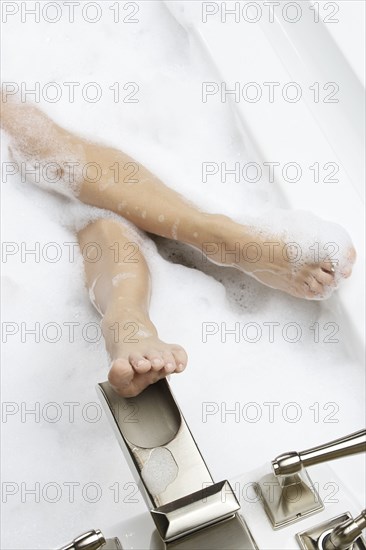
(99, 228)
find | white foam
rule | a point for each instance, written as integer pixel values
(171, 131)
(175, 229)
(92, 294)
(143, 332)
(60, 173)
(122, 277)
(313, 239)
(159, 471)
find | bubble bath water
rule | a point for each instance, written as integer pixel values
(172, 132)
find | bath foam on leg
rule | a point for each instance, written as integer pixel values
(292, 251)
(47, 155)
(312, 238)
(61, 172)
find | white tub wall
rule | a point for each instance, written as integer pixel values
(350, 36)
(231, 372)
(261, 53)
(304, 132)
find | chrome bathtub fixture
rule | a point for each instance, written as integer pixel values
(292, 463)
(188, 508)
(93, 540)
(340, 533)
(288, 494)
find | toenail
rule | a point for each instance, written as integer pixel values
(157, 362)
(169, 367)
(142, 362)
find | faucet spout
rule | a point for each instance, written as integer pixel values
(343, 536)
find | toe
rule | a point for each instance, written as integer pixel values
(169, 361)
(181, 358)
(324, 278)
(156, 359)
(328, 267)
(306, 293)
(346, 272)
(314, 285)
(351, 258)
(140, 363)
(120, 374)
(142, 381)
(315, 289)
(352, 255)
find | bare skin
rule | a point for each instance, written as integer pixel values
(120, 290)
(116, 182)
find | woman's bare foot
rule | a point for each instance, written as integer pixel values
(310, 268)
(139, 357)
(119, 289)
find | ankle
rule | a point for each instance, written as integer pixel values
(227, 242)
(124, 310)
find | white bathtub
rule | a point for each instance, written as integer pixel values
(303, 53)
(86, 452)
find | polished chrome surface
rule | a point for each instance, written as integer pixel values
(289, 475)
(195, 511)
(289, 500)
(230, 534)
(340, 533)
(171, 473)
(343, 536)
(93, 540)
(151, 421)
(292, 462)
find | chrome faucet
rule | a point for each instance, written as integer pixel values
(343, 536)
(189, 509)
(293, 462)
(93, 540)
(290, 478)
(340, 533)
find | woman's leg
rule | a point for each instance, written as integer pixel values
(116, 182)
(119, 285)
